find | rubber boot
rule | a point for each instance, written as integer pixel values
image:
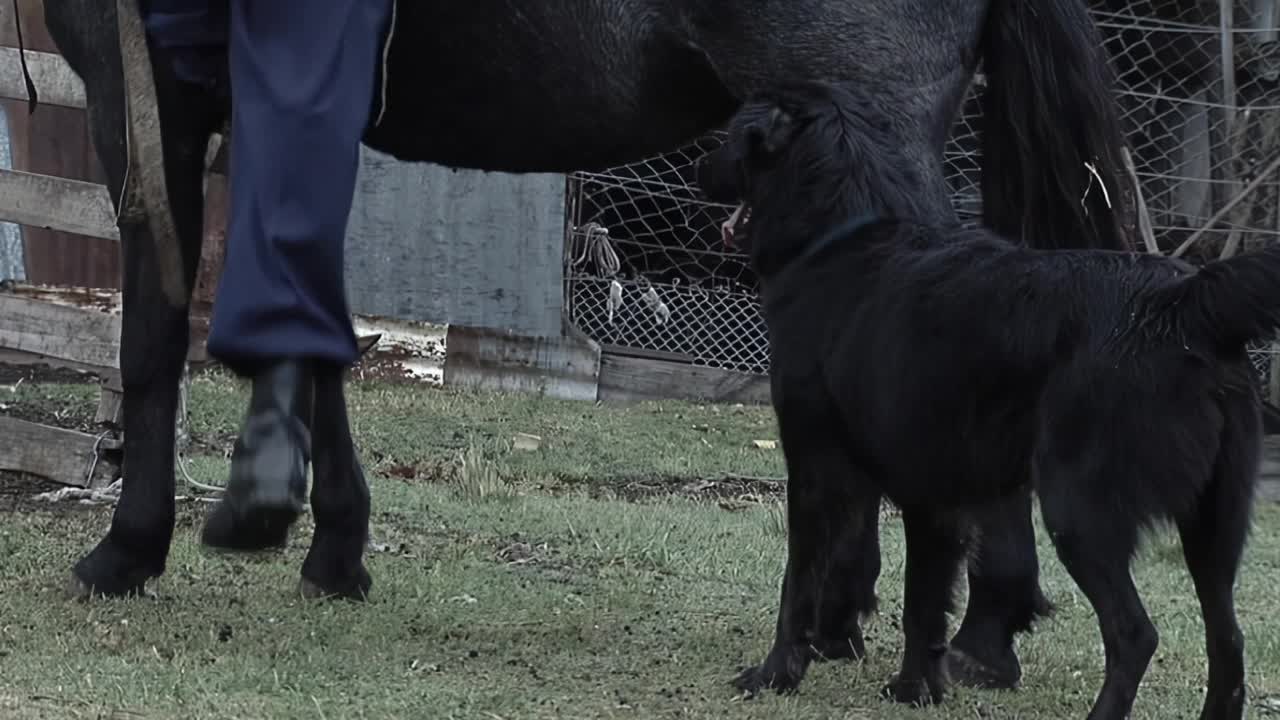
(268, 484)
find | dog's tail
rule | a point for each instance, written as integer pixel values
(1229, 302)
(1053, 172)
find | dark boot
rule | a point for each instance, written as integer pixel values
(268, 484)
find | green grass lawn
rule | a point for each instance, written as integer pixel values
(625, 569)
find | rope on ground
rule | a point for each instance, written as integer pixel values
(182, 467)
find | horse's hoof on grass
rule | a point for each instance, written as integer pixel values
(357, 591)
(915, 692)
(108, 572)
(852, 648)
(756, 679)
(78, 590)
(967, 670)
(254, 531)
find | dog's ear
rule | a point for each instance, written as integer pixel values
(770, 135)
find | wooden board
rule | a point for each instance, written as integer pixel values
(56, 83)
(61, 332)
(564, 367)
(57, 203)
(63, 456)
(110, 408)
(628, 379)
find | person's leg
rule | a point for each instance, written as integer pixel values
(191, 34)
(303, 79)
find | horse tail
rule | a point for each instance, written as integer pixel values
(1053, 172)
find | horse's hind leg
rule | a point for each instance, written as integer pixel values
(935, 549)
(339, 499)
(1004, 596)
(826, 497)
(850, 595)
(154, 332)
(1213, 539)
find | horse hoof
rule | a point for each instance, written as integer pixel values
(852, 648)
(780, 672)
(915, 692)
(253, 531)
(108, 572)
(77, 589)
(967, 670)
(357, 591)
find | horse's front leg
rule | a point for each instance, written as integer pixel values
(154, 329)
(339, 499)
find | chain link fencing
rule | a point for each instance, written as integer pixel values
(646, 271)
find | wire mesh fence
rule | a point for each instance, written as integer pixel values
(1200, 97)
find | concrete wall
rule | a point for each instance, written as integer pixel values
(482, 249)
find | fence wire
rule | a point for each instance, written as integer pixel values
(646, 269)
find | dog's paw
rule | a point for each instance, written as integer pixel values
(912, 691)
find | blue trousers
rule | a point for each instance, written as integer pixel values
(302, 76)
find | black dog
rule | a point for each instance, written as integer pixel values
(944, 367)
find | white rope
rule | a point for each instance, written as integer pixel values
(182, 467)
(93, 463)
(598, 248)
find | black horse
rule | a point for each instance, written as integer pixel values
(563, 85)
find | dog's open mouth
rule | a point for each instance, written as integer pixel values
(736, 224)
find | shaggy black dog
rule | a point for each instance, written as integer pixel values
(944, 367)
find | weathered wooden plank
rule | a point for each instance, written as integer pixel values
(75, 334)
(631, 378)
(15, 358)
(56, 83)
(565, 367)
(110, 407)
(63, 456)
(646, 353)
(57, 203)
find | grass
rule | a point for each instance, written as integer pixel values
(624, 569)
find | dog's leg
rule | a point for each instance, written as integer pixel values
(1213, 540)
(1212, 553)
(1004, 596)
(823, 505)
(851, 595)
(1095, 540)
(935, 549)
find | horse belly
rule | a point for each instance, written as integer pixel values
(550, 87)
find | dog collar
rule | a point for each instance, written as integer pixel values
(844, 229)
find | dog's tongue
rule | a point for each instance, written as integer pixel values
(728, 226)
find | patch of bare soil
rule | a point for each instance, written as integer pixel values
(532, 555)
(732, 492)
(13, 374)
